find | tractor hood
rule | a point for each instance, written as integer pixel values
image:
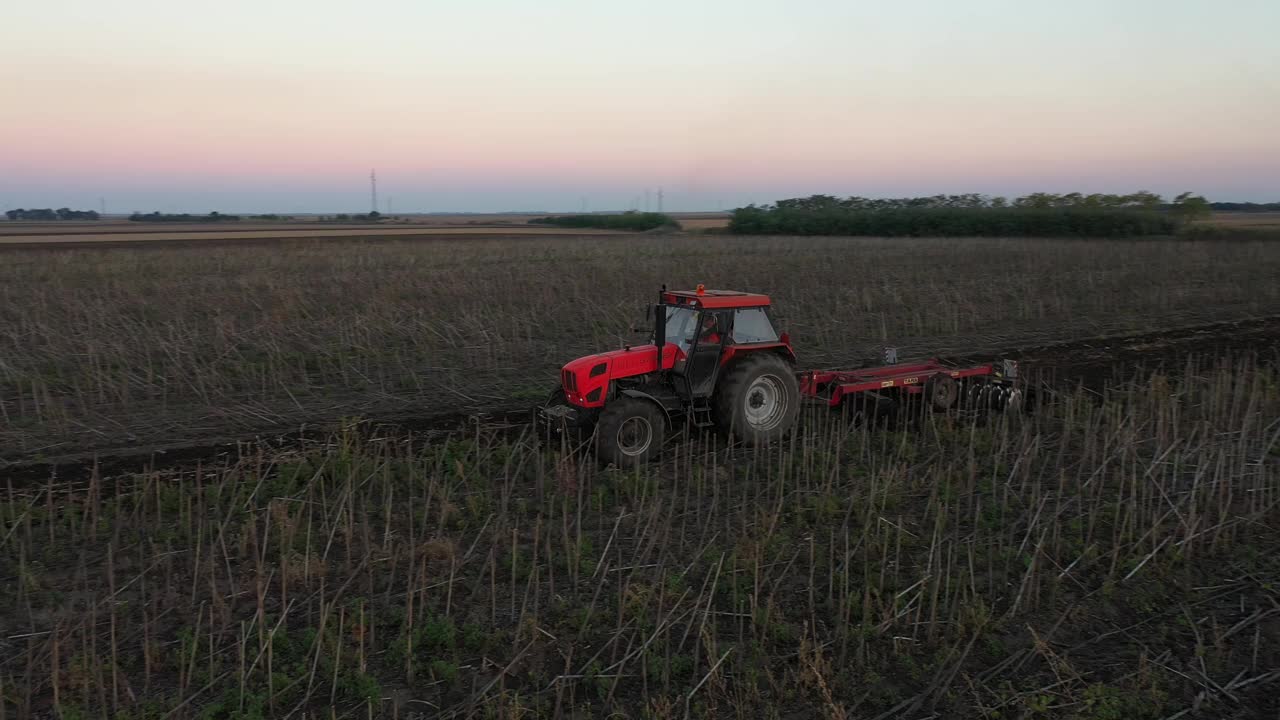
(586, 380)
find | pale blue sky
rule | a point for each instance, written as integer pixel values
(254, 106)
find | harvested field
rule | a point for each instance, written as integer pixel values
(127, 227)
(54, 229)
(29, 234)
(1258, 220)
(226, 235)
(116, 349)
(1111, 553)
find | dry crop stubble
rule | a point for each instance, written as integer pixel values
(102, 349)
(1108, 556)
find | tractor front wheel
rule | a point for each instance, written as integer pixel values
(630, 432)
(758, 400)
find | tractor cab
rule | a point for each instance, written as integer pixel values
(708, 327)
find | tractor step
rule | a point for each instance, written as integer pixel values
(701, 415)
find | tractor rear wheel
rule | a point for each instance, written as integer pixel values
(758, 400)
(630, 432)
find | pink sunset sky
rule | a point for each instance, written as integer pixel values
(482, 106)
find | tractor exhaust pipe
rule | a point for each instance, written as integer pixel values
(660, 325)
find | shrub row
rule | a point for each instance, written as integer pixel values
(183, 217)
(624, 221)
(51, 214)
(951, 222)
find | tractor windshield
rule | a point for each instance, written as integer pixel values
(682, 323)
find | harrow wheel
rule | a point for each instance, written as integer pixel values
(1013, 401)
(982, 397)
(941, 392)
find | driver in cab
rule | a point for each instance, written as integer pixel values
(710, 333)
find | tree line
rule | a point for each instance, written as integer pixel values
(214, 216)
(1141, 200)
(51, 214)
(1037, 214)
(630, 220)
(373, 216)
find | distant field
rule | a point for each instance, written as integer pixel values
(15, 235)
(704, 223)
(1262, 220)
(309, 224)
(124, 227)
(286, 233)
(689, 221)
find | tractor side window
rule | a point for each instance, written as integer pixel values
(682, 323)
(751, 325)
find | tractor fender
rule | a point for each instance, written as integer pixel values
(783, 351)
(641, 395)
(738, 353)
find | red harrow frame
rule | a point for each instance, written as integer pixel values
(943, 385)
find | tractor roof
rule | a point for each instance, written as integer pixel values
(716, 299)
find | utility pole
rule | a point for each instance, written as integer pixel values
(373, 190)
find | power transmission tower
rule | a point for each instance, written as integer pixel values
(102, 207)
(659, 199)
(373, 190)
(646, 199)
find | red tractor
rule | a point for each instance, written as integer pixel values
(716, 360)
